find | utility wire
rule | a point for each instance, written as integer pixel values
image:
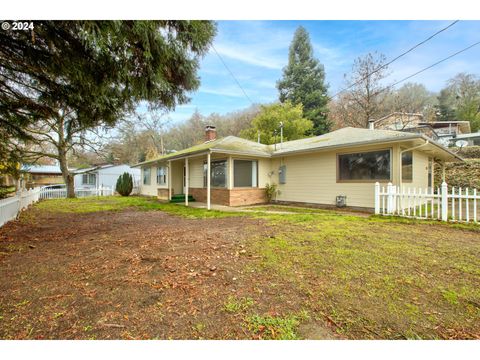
(396, 58)
(434, 64)
(231, 73)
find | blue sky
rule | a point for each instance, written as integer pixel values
(256, 52)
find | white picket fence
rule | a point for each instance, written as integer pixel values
(79, 192)
(456, 204)
(10, 207)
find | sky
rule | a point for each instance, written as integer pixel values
(257, 51)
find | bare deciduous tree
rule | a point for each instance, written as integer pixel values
(365, 93)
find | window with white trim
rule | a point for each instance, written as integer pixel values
(89, 179)
(245, 173)
(146, 176)
(218, 173)
(407, 166)
(161, 175)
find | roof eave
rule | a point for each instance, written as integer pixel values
(360, 143)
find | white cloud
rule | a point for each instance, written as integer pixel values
(250, 55)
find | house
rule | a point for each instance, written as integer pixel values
(104, 176)
(41, 175)
(346, 162)
(447, 131)
(444, 132)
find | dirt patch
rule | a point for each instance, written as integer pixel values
(131, 275)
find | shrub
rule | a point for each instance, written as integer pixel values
(124, 184)
(271, 191)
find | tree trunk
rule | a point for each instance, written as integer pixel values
(67, 176)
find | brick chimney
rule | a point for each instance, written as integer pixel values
(210, 133)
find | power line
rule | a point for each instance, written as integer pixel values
(435, 64)
(231, 73)
(396, 58)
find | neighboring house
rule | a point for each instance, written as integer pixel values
(345, 162)
(445, 132)
(104, 176)
(461, 140)
(41, 175)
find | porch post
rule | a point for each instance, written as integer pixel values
(186, 181)
(208, 181)
(230, 173)
(169, 176)
(443, 171)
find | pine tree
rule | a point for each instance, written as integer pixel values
(304, 82)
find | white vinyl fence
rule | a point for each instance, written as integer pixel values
(456, 204)
(79, 192)
(10, 207)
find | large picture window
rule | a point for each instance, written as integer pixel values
(146, 176)
(218, 173)
(365, 166)
(245, 173)
(161, 175)
(407, 166)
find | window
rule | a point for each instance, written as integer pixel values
(218, 173)
(366, 166)
(146, 176)
(244, 173)
(161, 175)
(282, 174)
(430, 172)
(89, 179)
(407, 166)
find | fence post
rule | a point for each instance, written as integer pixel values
(377, 198)
(389, 198)
(444, 201)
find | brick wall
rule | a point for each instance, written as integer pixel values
(233, 197)
(162, 194)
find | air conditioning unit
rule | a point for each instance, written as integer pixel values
(341, 201)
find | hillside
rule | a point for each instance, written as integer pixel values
(465, 174)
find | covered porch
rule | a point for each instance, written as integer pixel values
(213, 178)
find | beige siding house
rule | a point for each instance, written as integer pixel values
(347, 162)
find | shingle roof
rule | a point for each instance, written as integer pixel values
(344, 137)
(229, 144)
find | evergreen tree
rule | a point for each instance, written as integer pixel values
(64, 78)
(303, 82)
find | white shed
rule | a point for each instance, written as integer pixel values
(104, 176)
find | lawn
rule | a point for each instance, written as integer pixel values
(101, 268)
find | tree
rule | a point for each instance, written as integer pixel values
(267, 123)
(460, 100)
(66, 78)
(124, 185)
(303, 82)
(365, 95)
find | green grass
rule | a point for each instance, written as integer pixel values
(371, 277)
(235, 305)
(379, 277)
(275, 327)
(117, 203)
